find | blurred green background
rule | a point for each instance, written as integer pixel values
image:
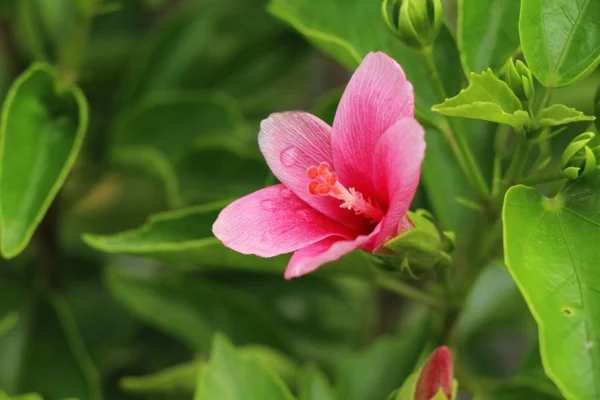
(176, 91)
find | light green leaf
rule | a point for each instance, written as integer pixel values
(229, 376)
(193, 310)
(43, 124)
(7, 322)
(488, 33)
(313, 385)
(182, 378)
(550, 246)
(173, 380)
(560, 39)
(348, 30)
(487, 98)
(28, 396)
(185, 237)
(559, 114)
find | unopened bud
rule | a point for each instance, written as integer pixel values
(579, 158)
(436, 376)
(416, 22)
(520, 79)
(423, 246)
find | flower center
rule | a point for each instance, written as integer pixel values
(324, 182)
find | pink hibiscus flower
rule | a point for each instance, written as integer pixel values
(342, 188)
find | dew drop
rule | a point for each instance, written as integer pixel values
(288, 156)
(303, 214)
(268, 205)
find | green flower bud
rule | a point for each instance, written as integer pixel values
(423, 247)
(520, 79)
(579, 158)
(416, 22)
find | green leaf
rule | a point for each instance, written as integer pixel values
(313, 385)
(487, 98)
(559, 114)
(185, 236)
(182, 378)
(550, 251)
(493, 311)
(382, 367)
(229, 376)
(348, 30)
(488, 33)
(175, 135)
(173, 380)
(254, 51)
(7, 322)
(193, 310)
(29, 396)
(560, 39)
(43, 125)
(43, 352)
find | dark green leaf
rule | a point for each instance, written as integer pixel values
(43, 353)
(487, 98)
(229, 376)
(559, 114)
(550, 251)
(488, 33)
(377, 371)
(560, 39)
(175, 136)
(43, 124)
(193, 310)
(494, 317)
(348, 30)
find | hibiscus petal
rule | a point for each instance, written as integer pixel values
(397, 163)
(310, 258)
(293, 141)
(273, 221)
(377, 96)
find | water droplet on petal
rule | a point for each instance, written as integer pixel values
(288, 156)
(285, 193)
(305, 215)
(268, 205)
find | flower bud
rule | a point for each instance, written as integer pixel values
(415, 22)
(579, 158)
(436, 376)
(520, 79)
(424, 246)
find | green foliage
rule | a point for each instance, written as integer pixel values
(127, 126)
(487, 98)
(488, 33)
(44, 120)
(229, 376)
(560, 39)
(550, 253)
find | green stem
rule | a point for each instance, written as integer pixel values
(405, 290)
(458, 142)
(546, 95)
(539, 179)
(516, 165)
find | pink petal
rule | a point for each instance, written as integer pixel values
(273, 221)
(377, 96)
(293, 141)
(310, 258)
(397, 163)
